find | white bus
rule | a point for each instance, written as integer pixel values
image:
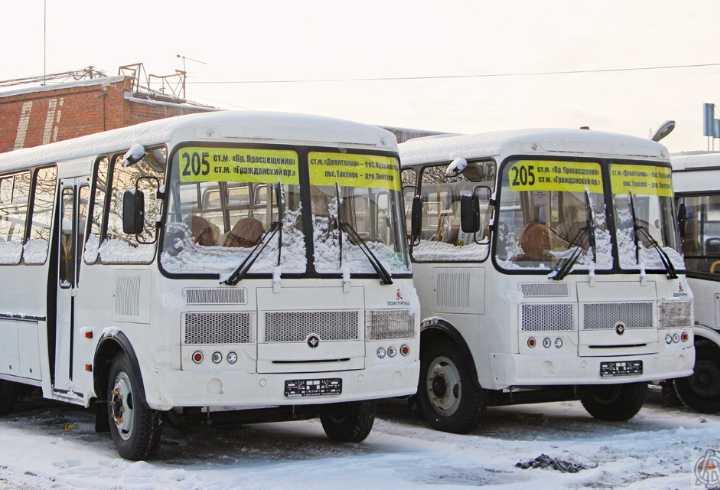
(208, 263)
(696, 179)
(548, 267)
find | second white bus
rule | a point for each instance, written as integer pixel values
(548, 268)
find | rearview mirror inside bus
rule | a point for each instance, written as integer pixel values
(133, 212)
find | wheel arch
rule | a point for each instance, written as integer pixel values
(706, 334)
(107, 350)
(435, 328)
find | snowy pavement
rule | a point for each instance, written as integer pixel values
(656, 450)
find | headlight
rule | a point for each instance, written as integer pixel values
(389, 324)
(558, 343)
(381, 352)
(675, 314)
(668, 339)
(547, 342)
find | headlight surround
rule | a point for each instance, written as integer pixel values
(389, 324)
(675, 314)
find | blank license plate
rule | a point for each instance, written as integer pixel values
(624, 368)
(313, 387)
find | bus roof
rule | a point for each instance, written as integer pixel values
(569, 142)
(256, 127)
(695, 160)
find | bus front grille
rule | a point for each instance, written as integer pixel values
(218, 328)
(601, 316)
(296, 326)
(215, 296)
(554, 317)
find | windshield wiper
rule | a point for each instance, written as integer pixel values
(664, 258)
(374, 261)
(275, 228)
(565, 265)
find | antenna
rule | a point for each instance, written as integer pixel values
(185, 71)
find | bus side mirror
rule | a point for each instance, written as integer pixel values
(470, 213)
(416, 220)
(133, 212)
(682, 218)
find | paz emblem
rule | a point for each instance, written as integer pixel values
(313, 341)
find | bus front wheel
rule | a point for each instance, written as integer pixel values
(701, 391)
(349, 421)
(615, 403)
(135, 427)
(9, 393)
(448, 397)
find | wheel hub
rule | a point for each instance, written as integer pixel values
(443, 386)
(121, 406)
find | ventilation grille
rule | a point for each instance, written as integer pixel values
(552, 317)
(295, 326)
(219, 328)
(127, 296)
(540, 290)
(453, 289)
(216, 296)
(389, 324)
(607, 315)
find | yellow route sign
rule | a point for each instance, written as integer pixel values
(544, 175)
(646, 180)
(348, 170)
(262, 166)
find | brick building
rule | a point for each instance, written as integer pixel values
(39, 115)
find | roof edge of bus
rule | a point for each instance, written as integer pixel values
(246, 126)
(694, 160)
(569, 142)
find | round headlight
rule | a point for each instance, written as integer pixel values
(547, 342)
(381, 352)
(532, 342)
(197, 357)
(676, 338)
(232, 357)
(216, 357)
(392, 351)
(558, 343)
(668, 339)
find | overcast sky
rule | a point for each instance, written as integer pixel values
(240, 41)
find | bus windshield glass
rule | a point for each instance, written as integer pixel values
(222, 202)
(552, 214)
(356, 213)
(646, 233)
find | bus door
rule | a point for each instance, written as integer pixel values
(74, 195)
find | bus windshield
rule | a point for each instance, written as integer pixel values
(226, 202)
(646, 233)
(551, 211)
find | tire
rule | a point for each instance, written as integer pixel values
(701, 391)
(135, 427)
(9, 393)
(349, 421)
(448, 396)
(615, 403)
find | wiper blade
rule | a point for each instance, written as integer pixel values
(565, 265)
(385, 277)
(664, 258)
(242, 269)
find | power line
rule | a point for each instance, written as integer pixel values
(447, 77)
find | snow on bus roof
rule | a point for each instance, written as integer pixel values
(264, 127)
(578, 142)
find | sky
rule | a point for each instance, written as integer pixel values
(475, 45)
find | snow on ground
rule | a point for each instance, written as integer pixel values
(655, 450)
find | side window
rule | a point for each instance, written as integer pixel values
(67, 262)
(441, 237)
(117, 246)
(14, 193)
(36, 248)
(97, 212)
(700, 233)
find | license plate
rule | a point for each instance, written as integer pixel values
(313, 387)
(624, 368)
